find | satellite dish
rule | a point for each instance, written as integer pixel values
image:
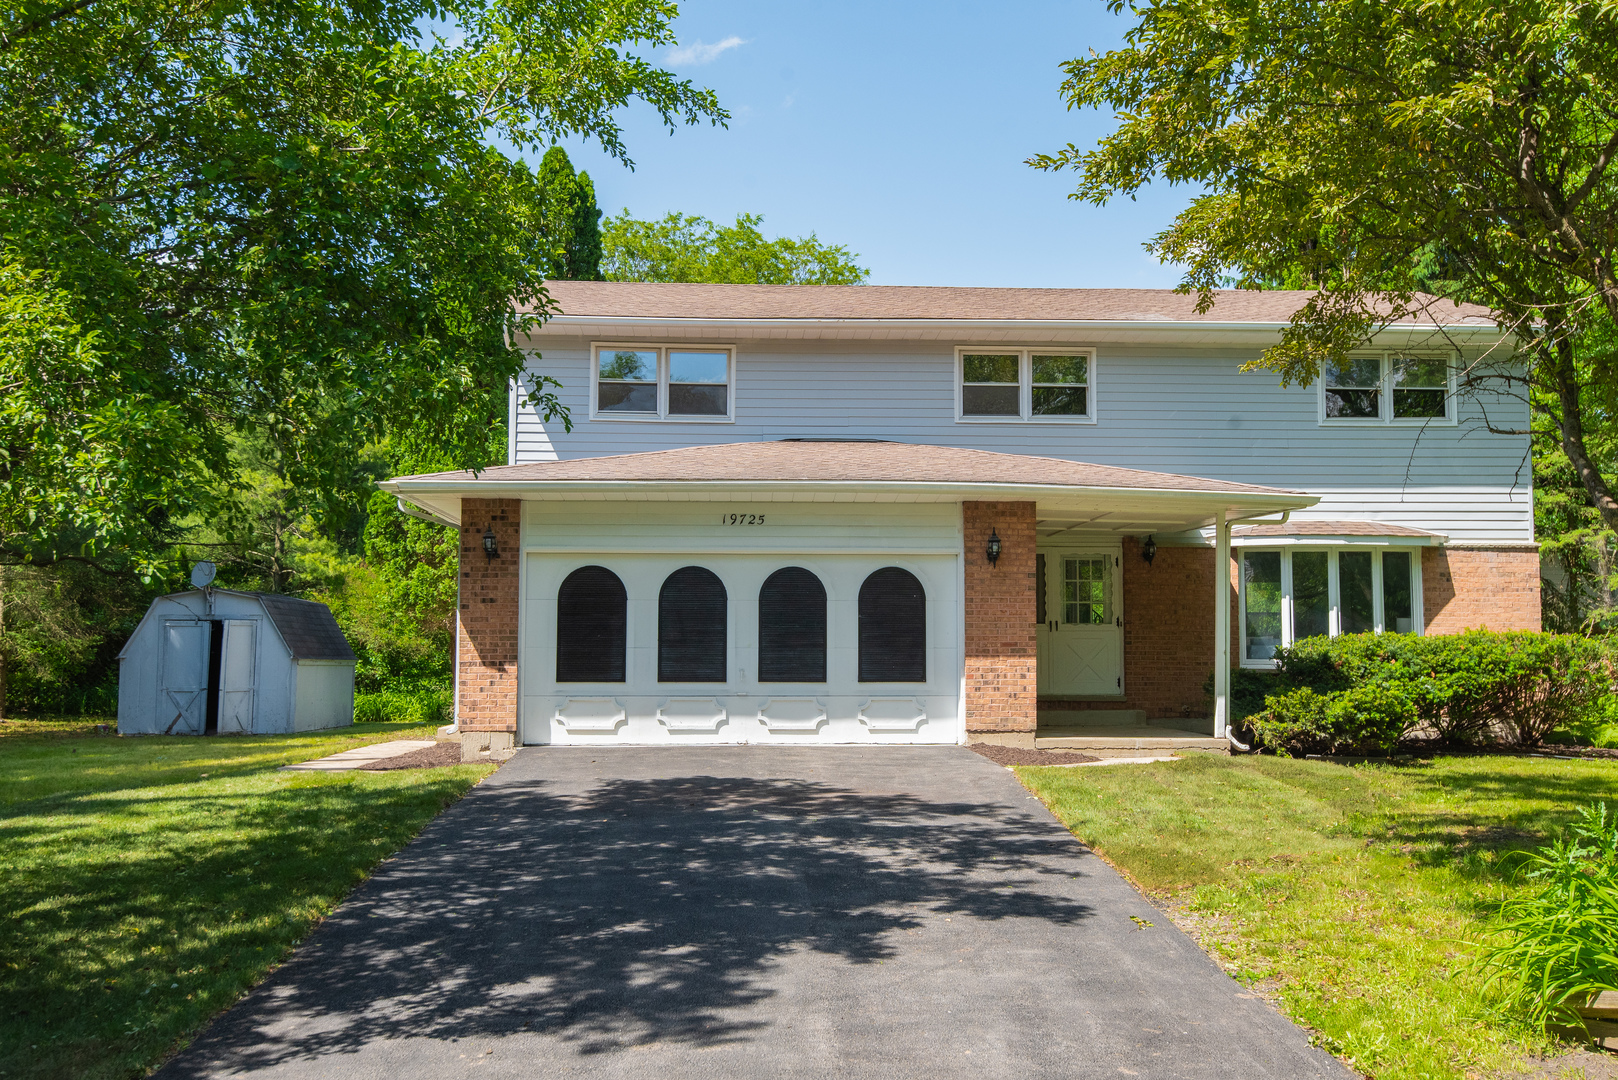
(202, 574)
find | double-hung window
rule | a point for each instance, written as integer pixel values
(1054, 384)
(1298, 592)
(664, 382)
(1388, 387)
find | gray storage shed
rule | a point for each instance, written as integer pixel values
(217, 660)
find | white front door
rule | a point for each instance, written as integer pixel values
(1080, 636)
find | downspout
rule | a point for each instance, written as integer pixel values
(1222, 723)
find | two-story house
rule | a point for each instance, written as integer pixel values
(868, 514)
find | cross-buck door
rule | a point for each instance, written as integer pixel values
(1080, 635)
(236, 671)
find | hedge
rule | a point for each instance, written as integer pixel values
(1369, 692)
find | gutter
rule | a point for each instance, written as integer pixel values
(1181, 325)
(1230, 729)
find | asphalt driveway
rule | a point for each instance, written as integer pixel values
(749, 912)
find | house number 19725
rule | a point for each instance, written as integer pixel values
(741, 519)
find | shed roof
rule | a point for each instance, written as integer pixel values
(812, 460)
(669, 300)
(309, 628)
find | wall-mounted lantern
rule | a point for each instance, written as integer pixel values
(1148, 550)
(993, 550)
(490, 548)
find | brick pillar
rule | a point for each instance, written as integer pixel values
(1492, 588)
(1001, 616)
(487, 637)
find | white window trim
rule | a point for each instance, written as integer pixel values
(1452, 360)
(1025, 383)
(1418, 618)
(662, 415)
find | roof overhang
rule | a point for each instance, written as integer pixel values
(1106, 509)
(1135, 331)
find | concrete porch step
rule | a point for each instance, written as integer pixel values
(1111, 741)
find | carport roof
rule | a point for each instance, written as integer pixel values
(830, 461)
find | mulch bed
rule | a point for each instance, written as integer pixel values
(1605, 752)
(432, 757)
(1016, 755)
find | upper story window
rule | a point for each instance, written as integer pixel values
(1294, 593)
(663, 382)
(1048, 385)
(1390, 387)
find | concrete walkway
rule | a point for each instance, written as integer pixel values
(361, 756)
(795, 912)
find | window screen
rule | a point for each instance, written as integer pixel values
(626, 381)
(991, 384)
(591, 616)
(1420, 385)
(792, 627)
(691, 627)
(893, 627)
(699, 383)
(1061, 385)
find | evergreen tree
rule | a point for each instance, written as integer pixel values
(571, 219)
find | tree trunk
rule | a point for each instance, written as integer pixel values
(2, 642)
(1563, 373)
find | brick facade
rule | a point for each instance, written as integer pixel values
(1480, 588)
(1001, 618)
(487, 635)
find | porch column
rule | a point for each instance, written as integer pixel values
(486, 637)
(1002, 702)
(1221, 672)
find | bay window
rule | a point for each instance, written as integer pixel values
(1291, 593)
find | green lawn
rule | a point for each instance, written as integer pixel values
(1346, 893)
(146, 883)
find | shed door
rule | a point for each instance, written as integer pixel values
(182, 702)
(236, 670)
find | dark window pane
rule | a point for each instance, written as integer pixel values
(792, 627)
(627, 397)
(1351, 404)
(1418, 403)
(991, 369)
(1396, 613)
(1311, 595)
(1084, 592)
(701, 367)
(591, 618)
(628, 365)
(893, 627)
(989, 400)
(1061, 401)
(1354, 588)
(690, 399)
(1073, 370)
(1358, 371)
(1261, 581)
(691, 627)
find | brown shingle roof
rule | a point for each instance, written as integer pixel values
(830, 461)
(1330, 528)
(653, 300)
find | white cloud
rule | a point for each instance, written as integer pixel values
(698, 53)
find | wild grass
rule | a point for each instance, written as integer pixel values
(1353, 895)
(146, 883)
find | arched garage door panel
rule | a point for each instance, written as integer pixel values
(768, 691)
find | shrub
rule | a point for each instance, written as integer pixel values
(1552, 949)
(1368, 719)
(1467, 688)
(427, 706)
(1294, 724)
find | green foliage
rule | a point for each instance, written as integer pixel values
(434, 706)
(284, 214)
(571, 219)
(685, 247)
(1556, 947)
(150, 882)
(1471, 688)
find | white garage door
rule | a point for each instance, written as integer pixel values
(774, 648)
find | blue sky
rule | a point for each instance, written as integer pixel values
(899, 130)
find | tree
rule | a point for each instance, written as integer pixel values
(274, 214)
(1350, 145)
(572, 221)
(686, 247)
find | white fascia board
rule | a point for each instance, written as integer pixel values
(422, 492)
(573, 325)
